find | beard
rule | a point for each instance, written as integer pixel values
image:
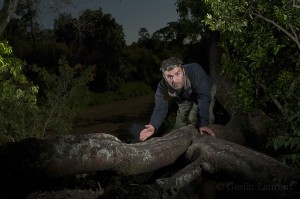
(177, 85)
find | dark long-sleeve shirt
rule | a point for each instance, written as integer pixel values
(197, 88)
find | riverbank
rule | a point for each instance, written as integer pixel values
(123, 119)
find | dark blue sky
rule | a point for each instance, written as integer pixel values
(131, 14)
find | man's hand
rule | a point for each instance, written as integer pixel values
(147, 132)
(206, 130)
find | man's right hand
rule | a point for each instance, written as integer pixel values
(147, 132)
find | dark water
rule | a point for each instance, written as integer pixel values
(133, 132)
(123, 119)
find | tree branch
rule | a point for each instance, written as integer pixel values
(294, 38)
(8, 9)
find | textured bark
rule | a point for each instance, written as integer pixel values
(228, 161)
(93, 152)
(223, 85)
(238, 163)
(43, 159)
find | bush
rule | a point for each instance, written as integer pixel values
(18, 101)
(287, 142)
(65, 93)
(61, 95)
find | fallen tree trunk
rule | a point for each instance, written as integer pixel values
(94, 152)
(227, 160)
(37, 160)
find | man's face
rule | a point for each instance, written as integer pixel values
(175, 77)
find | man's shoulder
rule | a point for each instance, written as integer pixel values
(162, 85)
(193, 68)
(191, 65)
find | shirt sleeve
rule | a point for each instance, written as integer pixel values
(201, 85)
(161, 107)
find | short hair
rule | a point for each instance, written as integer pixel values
(170, 64)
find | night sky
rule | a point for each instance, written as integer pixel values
(131, 14)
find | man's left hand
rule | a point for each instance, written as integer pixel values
(206, 130)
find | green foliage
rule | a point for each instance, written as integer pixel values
(65, 93)
(17, 99)
(191, 15)
(289, 143)
(228, 10)
(23, 114)
(234, 15)
(260, 42)
(286, 138)
(101, 42)
(257, 56)
(143, 64)
(92, 39)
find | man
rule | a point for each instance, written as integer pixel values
(190, 87)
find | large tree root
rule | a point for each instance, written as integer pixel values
(33, 160)
(231, 162)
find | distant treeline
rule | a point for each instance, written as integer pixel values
(96, 39)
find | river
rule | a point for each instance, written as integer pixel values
(124, 119)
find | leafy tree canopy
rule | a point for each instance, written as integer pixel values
(260, 40)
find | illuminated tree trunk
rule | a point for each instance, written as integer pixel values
(34, 160)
